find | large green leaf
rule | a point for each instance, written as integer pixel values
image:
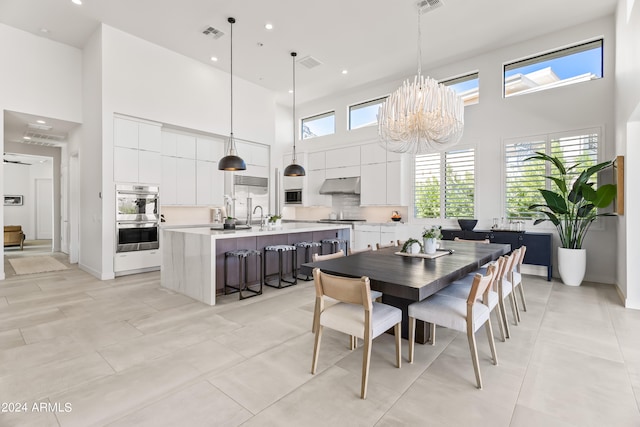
(556, 161)
(604, 195)
(555, 201)
(562, 186)
(588, 192)
(585, 211)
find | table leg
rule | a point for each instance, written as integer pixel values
(423, 335)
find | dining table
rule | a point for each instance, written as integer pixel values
(406, 279)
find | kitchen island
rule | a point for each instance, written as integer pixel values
(193, 258)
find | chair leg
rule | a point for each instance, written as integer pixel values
(316, 349)
(412, 337)
(432, 333)
(398, 333)
(366, 359)
(514, 308)
(505, 321)
(353, 342)
(492, 343)
(474, 355)
(316, 316)
(524, 303)
(500, 322)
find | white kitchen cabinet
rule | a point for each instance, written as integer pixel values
(364, 235)
(395, 184)
(209, 184)
(149, 167)
(317, 161)
(125, 164)
(342, 157)
(149, 137)
(209, 149)
(372, 153)
(185, 146)
(137, 260)
(260, 155)
(343, 172)
(168, 144)
(373, 184)
(185, 181)
(169, 181)
(311, 194)
(125, 133)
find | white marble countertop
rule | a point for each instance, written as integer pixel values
(286, 228)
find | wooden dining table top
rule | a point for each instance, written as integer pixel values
(411, 278)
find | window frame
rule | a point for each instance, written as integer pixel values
(472, 75)
(548, 137)
(317, 116)
(364, 104)
(442, 184)
(551, 54)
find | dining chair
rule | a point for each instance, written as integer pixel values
(516, 277)
(357, 251)
(457, 239)
(464, 315)
(386, 245)
(461, 288)
(375, 295)
(354, 314)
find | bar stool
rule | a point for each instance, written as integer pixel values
(243, 286)
(336, 245)
(281, 249)
(308, 253)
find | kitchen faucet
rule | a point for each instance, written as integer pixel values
(261, 215)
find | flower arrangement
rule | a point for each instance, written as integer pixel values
(274, 218)
(435, 232)
(406, 248)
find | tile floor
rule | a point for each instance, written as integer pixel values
(126, 352)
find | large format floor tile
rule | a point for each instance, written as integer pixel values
(126, 352)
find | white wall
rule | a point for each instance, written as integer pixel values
(627, 126)
(50, 90)
(494, 119)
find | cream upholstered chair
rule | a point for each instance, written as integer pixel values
(386, 245)
(457, 239)
(516, 277)
(354, 314)
(357, 251)
(465, 315)
(461, 288)
(375, 295)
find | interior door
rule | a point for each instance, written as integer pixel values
(44, 208)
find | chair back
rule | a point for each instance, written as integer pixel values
(480, 286)
(317, 257)
(344, 289)
(498, 271)
(386, 245)
(512, 261)
(357, 251)
(523, 250)
(457, 239)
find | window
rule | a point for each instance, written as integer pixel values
(559, 68)
(320, 125)
(467, 87)
(445, 185)
(365, 113)
(524, 178)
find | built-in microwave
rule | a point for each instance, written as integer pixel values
(293, 197)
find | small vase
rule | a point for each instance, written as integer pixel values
(430, 245)
(414, 248)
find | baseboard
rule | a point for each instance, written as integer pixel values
(623, 298)
(95, 273)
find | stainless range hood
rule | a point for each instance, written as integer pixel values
(341, 186)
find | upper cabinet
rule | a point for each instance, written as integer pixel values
(343, 157)
(136, 154)
(256, 156)
(381, 177)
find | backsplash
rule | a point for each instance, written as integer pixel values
(348, 204)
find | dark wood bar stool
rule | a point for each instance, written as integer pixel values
(282, 281)
(244, 289)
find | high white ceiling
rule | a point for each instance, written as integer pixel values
(372, 39)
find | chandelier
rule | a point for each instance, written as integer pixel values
(422, 116)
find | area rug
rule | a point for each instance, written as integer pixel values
(36, 264)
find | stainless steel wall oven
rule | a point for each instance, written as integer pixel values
(137, 218)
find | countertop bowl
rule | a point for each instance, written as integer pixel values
(395, 219)
(467, 224)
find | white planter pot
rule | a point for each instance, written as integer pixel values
(414, 248)
(572, 264)
(430, 246)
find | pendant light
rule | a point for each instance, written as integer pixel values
(231, 162)
(294, 169)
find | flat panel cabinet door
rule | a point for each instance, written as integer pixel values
(364, 238)
(185, 146)
(186, 182)
(169, 144)
(343, 172)
(149, 137)
(349, 156)
(168, 186)
(209, 184)
(373, 184)
(260, 156)
(125, 133)
(149, 167)
(244, 151)
(312, 197)
(125, 164)
(373, 153)
(317, 160)
(395, 187)
(204, 149)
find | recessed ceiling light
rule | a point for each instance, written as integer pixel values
(214, 58)
(290, 90)
(345, 71)
(44, 30)
(26, 137)
(78, 2)
(268, 26)
(42, 122)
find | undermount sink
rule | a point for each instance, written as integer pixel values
(238, 227)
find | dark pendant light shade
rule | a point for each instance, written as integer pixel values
(294, 169)
(232, 162)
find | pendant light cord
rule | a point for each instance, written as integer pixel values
(232, 148)
(293, 57)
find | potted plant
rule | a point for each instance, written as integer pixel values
(572, 208)
(275, 221)
(229, 223)
(412, 246)
(430, 237)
